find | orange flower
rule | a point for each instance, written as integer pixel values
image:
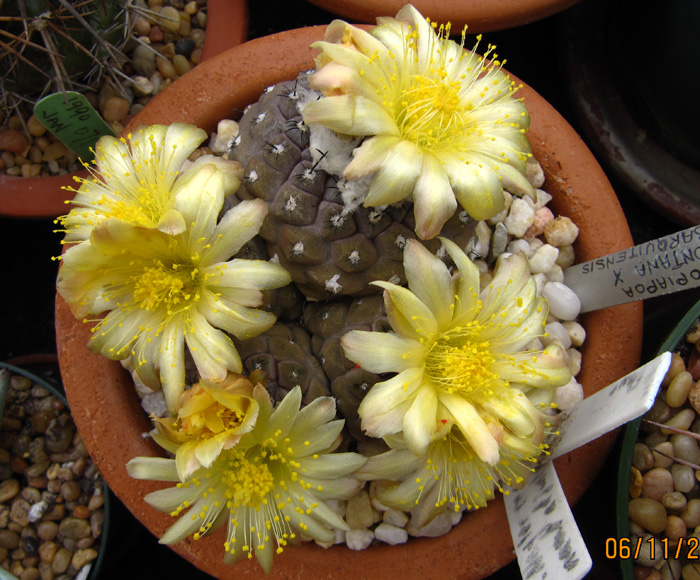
(212, 417)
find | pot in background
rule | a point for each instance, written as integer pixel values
(479, 15)
(45, 197)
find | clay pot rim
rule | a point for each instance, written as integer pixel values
(112, 421)
(479, 15)
(45, 197)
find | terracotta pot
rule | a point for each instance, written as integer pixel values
(111, 421)
(44, 197)
(479, 15)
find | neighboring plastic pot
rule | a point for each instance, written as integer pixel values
(629, 440)
(112, 422)
(42, 361)
(45, 197)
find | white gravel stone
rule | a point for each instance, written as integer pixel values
(534, 173)
(535, 244)
(574, 361)
(337, 506)
(543, 198)
(500, 240)
(563, 302)
(519, 246)
(359, 513)
(555, 332)
(555, 274)
(543, 259)
(483, 236)
(439, 526)
(142, 85)
(359, 539)
(540, 280)
(520, 217)
(568, 395)
(226, 131)
(567, 257)
(501, 216)
(576, 332)
(396, 518)
(561, 231)
(390, 534)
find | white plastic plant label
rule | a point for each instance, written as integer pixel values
(622, 401)
(547, 540)
(657, 267)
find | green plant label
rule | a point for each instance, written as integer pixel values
(73, 120)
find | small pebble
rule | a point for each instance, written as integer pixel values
(359, 513)
(648, 513)
(656, 483)
(185, 47)
(166, 68)
(563, 302)
(115, 109)
(8, 489)
(82, 557)
(169, 19)
(61, 561)
(561, 231)
(391, 534)
(520, 218)
(358, 539)
(13, 141)
(543, 260)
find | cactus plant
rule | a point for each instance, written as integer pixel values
(57, 45)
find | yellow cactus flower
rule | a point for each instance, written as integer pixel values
(450, 475)
(212, 417)
(137, 178)
(269, 488)
(166, 292)
(461, 355)
(441, 122)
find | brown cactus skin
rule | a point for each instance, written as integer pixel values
(328, 253)
(284, 353)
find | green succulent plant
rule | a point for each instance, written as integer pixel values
(49, 46)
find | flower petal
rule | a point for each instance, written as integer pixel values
(370, 155)
(473, 427)
(383, 408)
(420, 420)
(240, 321)
(248, 273)
(171, 361)
(239, 225)
(476, 186)
(155, 468)
(381, 352)
(350, 115)
(546, 369)
(397, 177)
(406, 314)
(393, 464)
(467, 282)
(284, 416)
(429, 279)
(212, 350)
(434, 200)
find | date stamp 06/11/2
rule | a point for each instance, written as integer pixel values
(626, 548)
